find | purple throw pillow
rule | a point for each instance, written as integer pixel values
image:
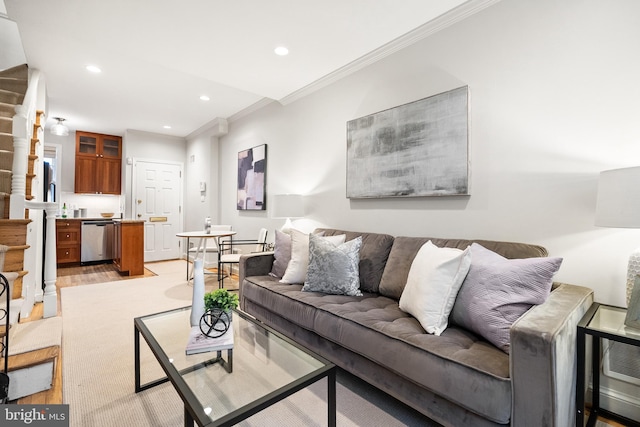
(497, 291)
(282, 254)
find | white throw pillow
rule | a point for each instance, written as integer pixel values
(296, 271)
(435, 277)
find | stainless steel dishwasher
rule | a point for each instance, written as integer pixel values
(97, 241)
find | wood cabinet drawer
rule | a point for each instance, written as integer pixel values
(68, 224)
(66, 255)
(69, 236)
(68, 241)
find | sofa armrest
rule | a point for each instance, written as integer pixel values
(543, 358)
(257, 264)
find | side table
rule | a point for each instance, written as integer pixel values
(600, 321)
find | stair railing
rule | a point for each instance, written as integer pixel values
(23, 125)
(6, 280)
(4, 342)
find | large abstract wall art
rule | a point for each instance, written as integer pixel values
(413, 150)
(252, 165)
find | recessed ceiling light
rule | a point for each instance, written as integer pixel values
(281, 50)
(166, 127)
(204, 98)
(93, 69)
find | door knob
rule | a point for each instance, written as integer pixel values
(139, 201)
(139, 215)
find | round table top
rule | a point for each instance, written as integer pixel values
(203, 234)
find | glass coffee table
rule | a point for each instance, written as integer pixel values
(263, 368)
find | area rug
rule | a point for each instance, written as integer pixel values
(98, 365)
(178, 268)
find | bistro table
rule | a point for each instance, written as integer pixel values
(201, 249)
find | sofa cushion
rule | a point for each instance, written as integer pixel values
(497, 291)
(373, 255)
(404, 250)
(333, 268)
(296, 271)
(281, 254)
(375, 327)
(434, 280)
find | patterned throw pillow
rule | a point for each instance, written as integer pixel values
(333, 269)
(497, 291)
(296, 271)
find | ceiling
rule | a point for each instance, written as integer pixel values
(159, 56)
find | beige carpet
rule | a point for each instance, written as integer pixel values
(98, 364)
(177, 266)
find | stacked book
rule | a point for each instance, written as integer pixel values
(201, 343)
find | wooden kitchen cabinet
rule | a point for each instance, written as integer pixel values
(98, 163)
(67, 241)
(129, 245)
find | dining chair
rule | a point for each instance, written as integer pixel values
(230, 254)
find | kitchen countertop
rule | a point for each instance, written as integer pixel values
(99, 218)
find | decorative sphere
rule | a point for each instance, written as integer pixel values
(214, 323)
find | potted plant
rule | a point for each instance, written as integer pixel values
(217, 312)
(220, 299)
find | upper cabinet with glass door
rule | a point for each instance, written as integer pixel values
(98, 163)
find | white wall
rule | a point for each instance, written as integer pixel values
(202, 166)
(140, 145)
(554, 100)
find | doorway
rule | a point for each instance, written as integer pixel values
(157, 199)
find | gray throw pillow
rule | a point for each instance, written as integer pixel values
(281, 254)
(497, 291)
(333, 269)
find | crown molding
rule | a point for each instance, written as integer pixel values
(443, 21)
(250, 109)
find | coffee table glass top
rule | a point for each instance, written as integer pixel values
(263, 363)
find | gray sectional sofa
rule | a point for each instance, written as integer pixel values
(457, 378)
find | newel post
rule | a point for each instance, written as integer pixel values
(50, 298)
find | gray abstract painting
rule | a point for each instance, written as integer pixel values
(413, 150)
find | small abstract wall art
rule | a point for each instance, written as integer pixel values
(252, 166)
(413, 150)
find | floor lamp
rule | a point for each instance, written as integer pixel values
(618, 205)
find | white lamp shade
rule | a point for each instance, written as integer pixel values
(288, 206)
(618, 202)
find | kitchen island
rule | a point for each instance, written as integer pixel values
(129, 247)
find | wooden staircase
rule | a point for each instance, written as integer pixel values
(13, 86)
(13, 233)
(34, 346)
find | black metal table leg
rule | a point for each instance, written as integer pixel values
(136, 352)
(580, 378)
(188, 419)
(331, 397)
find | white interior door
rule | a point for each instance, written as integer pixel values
(158, 201)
